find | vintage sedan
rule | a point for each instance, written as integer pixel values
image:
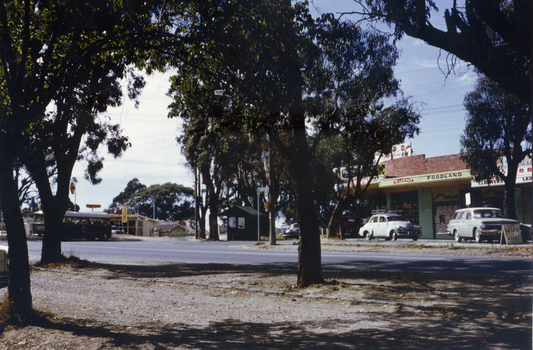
(292, 232)
(479, 224)
(389, 226)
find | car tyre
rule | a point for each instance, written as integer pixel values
(458, 238)
(477, 235)
(415, 238)
(368, 236)
(394, 235)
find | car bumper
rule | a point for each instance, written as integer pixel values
(495, 233)
(408, 233)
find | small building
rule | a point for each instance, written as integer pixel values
(174, 229)
(136, 225)
(242, 223)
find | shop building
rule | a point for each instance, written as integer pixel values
(429, 190)
(136, 225)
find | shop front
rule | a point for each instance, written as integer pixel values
(429, 190)
(428, 200)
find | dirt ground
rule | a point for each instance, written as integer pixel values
(220, 306)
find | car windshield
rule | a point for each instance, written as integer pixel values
(397, 218)
(478, 214)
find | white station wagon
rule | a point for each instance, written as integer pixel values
(479, 224)
(389, 226)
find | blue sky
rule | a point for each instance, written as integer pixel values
(155, 156)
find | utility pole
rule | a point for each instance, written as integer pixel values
(271, 194)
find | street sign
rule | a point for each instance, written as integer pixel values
(72, 187)
(512, 233)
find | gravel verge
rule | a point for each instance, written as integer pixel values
(214, 306)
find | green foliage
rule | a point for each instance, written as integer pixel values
(346, 73)
(498, 126)
(172, 201)
(132, 187)
(495, 36)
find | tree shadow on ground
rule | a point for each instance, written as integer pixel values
(500, 295)
(176, 270)
(433, 331)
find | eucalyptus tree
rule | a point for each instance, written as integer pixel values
(495, 36)
(211, 140)
(347, 95)
(273, 60)
(498, 131)
(168, 201)
(61, 64)
(132, 187)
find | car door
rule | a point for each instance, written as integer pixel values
(381, 226)
(466, 224)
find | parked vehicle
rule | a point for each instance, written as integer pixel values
(116, 230)
(390, 226)
(480, 224)
(4, 265)
(292, 232)
(349, 226)
(78, 226)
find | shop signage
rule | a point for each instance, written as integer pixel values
(398, 151)
(454, 175)
(403, 180)
(446, 196)
(512, 233)
(523, 176)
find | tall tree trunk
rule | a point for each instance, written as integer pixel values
(509, 207)
(309, 254)
(51, 252)
(213, 226)
(336, 216)
(202, 220)
(19, 268)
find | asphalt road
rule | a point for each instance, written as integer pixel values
(237, 253)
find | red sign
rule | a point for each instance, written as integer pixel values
(403, 180)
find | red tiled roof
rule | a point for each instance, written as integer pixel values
(419, 165)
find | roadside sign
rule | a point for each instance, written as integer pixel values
(124, 213)
(512, 233)
(72, 187)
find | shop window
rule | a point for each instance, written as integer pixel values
(407, 204)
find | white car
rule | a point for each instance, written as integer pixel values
(480, 224)
(389, 226)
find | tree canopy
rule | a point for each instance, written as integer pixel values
(497, 136)
(61, 65)
(494, 35)
(169, 201)
(278, 68)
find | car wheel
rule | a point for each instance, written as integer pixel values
(393, 235)
(477, 235)
(368, 236)
(458, 238)
(415, 238)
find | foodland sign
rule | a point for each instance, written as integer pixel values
(512, 233)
